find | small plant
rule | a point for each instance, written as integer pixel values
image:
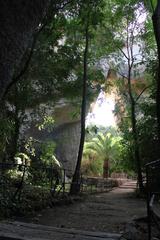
(47, 124)
(101, 154)
(47, 154)
(22, 158)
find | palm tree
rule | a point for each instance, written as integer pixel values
(104, 147)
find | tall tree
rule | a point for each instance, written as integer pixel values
(154, 8)
(126, 61)
(75, 186)
(156, 26)
(90, 15)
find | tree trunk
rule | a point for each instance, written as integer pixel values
(136, 147)
(134, 132)
(18, 22)
(106, 169)
(156, 26)
(75, 186)
(14, 147)
(17, 124)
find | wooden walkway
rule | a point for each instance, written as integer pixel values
(27, 231)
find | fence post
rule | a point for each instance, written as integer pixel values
(81, 183)
(64, 181)
(148, 203)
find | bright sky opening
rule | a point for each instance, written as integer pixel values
(102, 112)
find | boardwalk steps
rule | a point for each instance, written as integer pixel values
(28, 231)
(129, 185)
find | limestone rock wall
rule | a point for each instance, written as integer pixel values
(66, 134)
(18, 22)
(67, 137)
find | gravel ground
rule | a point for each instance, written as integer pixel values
(107, 212)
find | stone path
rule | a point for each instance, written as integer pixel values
(105, 212)
(99, 216)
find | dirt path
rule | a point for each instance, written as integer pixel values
(105, 212)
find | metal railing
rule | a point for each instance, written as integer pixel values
(153, 194)
(19, 181)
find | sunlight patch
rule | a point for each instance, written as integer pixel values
(102, 111)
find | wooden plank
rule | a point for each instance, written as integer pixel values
(65, 230)
(27, 231)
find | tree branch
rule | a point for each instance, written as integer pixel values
(123, 76)
(123, 53)
(24, 69)
(143, 92)
(28, 60)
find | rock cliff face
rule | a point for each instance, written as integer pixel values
(67, 137)
(66, 134)
(18, 22)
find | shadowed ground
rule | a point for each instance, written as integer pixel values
(109, 212)
(98, 217)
